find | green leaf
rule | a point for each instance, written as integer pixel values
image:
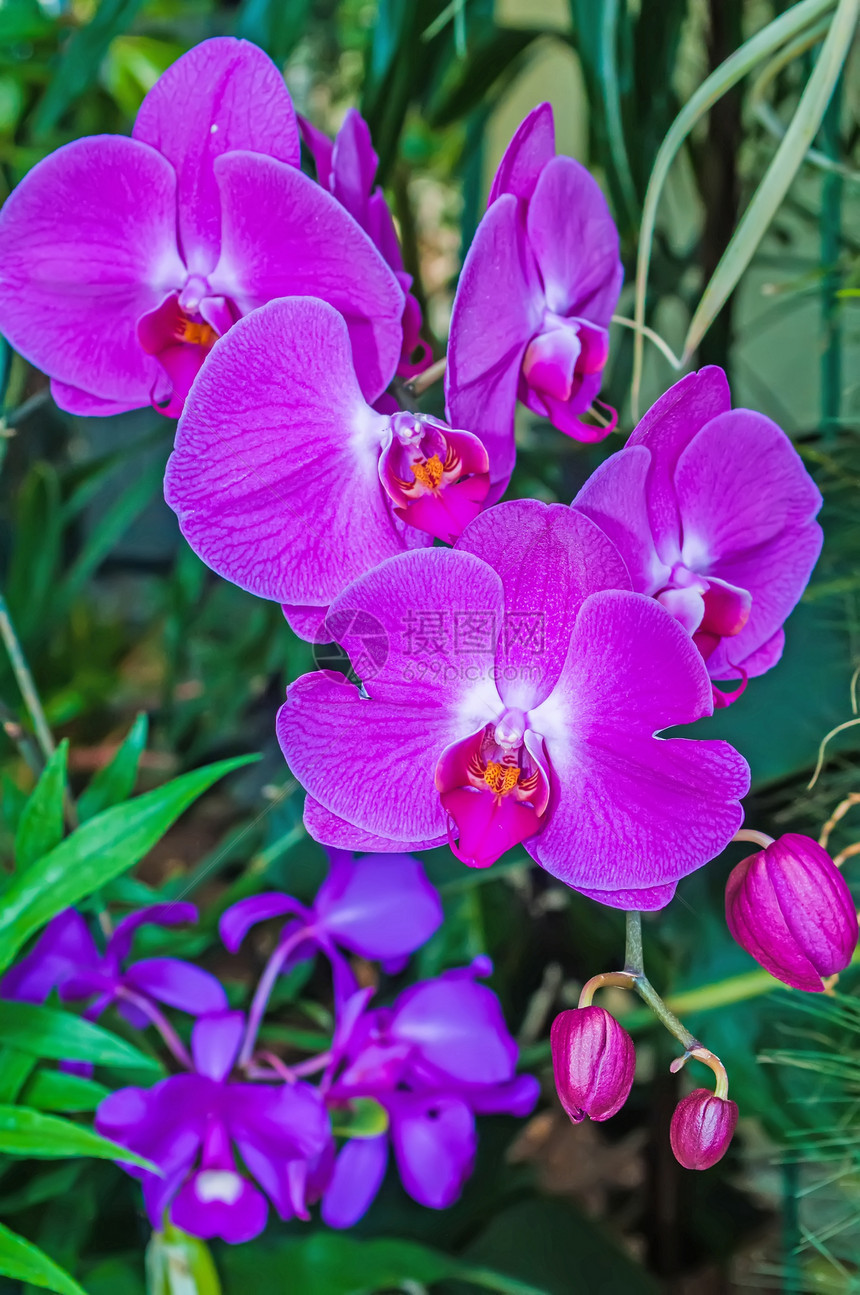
(753, 51)
(52, 1090)
(542, 1242)
(116, 1276)
(112, 526)
(53, 1182)
(41, 825)
(78, 66)
(777, 179)
(33, 574)
(278, 27)
(493, 59)
(329, 1264)
(98, 851)
(597, 38)
(15, 1069)
(363, 1118)
(24, 1262)
(12, 802)
(48, 1032)
(30, 1133)
(115, 782)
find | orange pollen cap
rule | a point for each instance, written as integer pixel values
(429, 473)
(198, 334)
(501, 778)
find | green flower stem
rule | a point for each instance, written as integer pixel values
(633, 977)
(634, 966)
(25, 681)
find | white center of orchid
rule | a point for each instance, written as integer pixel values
(218, 1185)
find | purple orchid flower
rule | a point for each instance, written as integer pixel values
(287, 482)
(535, 297)
(65, 958)
(381, 907)
(347, 168)
(714, 514)
(192, 1125)
(124, 259)
(438, 1057)
(518, 702)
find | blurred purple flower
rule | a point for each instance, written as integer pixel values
(347, 169)
(535, 297)
(724, 540)
(192, 1125)
(123, 260)
(519, 700)
(439, 1056)
(287, 482)
(790, 907)
(381, 907)
(65, 958)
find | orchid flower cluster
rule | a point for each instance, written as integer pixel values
(516, 662)
(407, 1078)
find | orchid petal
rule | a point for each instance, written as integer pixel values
(575, 241)
(171, 914)
(220, 1203)
(64, 948)
(437, 612)
(531, 147)
(435, 1144)
(354, 164)
(224, 94)
(215, 1043)
(497, 309)
(549, 560)
(456, 1026)
(72, 400)
(614, 497)
(237, 920)
(284, 236)
(88, 245)
(273, 474)
(518, 1096)
(178, 984)
(307, 623)
(329, 829)
(776, 576)
(320, 148)
(340, 748)
(289, 1122)
(379, 907)
(631, 811)
(356, 1180)
(666, 429)
(731, 501)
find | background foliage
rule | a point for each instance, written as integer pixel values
(119, 620)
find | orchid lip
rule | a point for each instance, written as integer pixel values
(705, 605)
(436, 477)
(494, 786)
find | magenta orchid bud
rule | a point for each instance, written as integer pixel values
(702, 1128)
(789, 906)
(593, 1061)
